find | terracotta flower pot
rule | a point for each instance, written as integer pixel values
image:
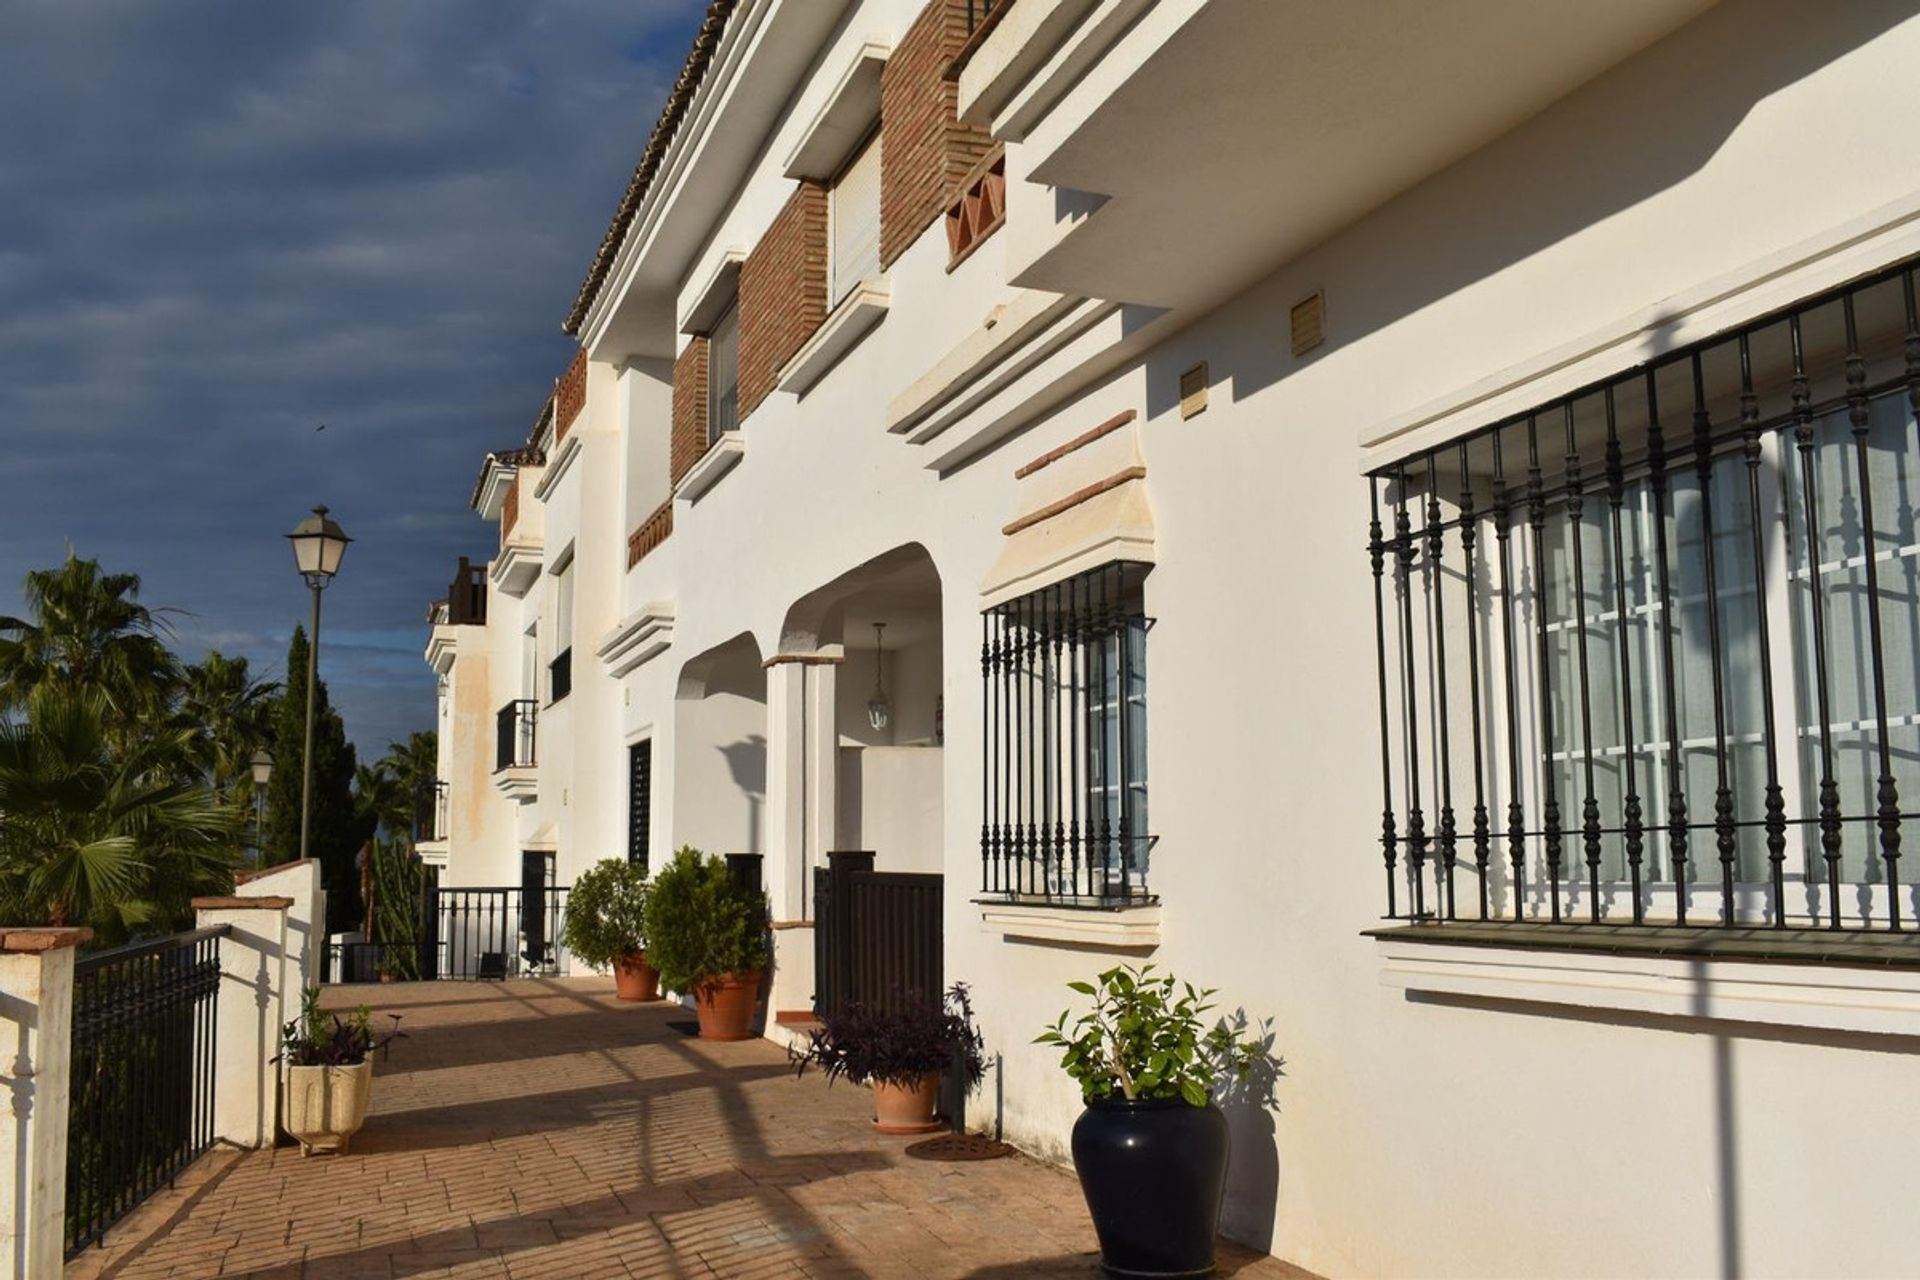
(634, 978)
(325, 1106)
(725, 1004)
(906, 1108)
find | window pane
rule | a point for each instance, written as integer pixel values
(855, 214)
(723, 375)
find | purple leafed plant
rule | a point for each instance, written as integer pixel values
(897, 1046)
(320, 1039)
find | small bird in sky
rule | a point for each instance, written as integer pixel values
(321, 427)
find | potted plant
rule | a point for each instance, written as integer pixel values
(607, 926)
(707, 935)
(329, 1073)
(1151, 1146)
(903, 1052)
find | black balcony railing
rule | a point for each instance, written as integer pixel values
(430, 812)
(142, 1075)
(1645, 652)
(560, 676)
(514, 734)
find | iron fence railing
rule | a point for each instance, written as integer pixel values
(466, 934)
(514, 734)
(142, 1075)
(560, 676)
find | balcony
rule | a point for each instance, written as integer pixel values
(430, 821)
(513, 765)
(1336, 110)
(560, 677)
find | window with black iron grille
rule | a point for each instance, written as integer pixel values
(1064, 773)
(639, 800)
(1651, 653)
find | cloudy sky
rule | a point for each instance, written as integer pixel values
(225, 223)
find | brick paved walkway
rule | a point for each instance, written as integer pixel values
(542, 1129)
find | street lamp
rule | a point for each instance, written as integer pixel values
(262, 774)
(318, 547)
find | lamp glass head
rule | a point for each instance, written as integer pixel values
(319, 545)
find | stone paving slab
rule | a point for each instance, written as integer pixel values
(542, 1129)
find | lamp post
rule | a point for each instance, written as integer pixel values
(262, 775)
(318, 547)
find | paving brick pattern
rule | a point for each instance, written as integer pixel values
(543, 1129)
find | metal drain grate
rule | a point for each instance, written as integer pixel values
(960, 1146)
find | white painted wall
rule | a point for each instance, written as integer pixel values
(891, 803)
(1430, 1137)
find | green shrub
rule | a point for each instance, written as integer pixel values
(702, 926)
(1146, 1038)
(606, 912)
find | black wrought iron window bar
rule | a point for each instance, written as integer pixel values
(1651, 653)
(1063, 776)
(514, 734)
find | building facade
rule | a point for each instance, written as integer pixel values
(1400, 512)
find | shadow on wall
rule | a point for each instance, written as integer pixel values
(1647, 125)
(1253, 1165)
(747, 763)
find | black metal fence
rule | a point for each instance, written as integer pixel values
(142, 1075)
(878, 935)
(468, 934)
(1648, 652)
(514, 734)
(560, 676)
(1063, 778)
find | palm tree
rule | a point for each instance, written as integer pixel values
(87, 631)
(230, 716)
(102, 833)
(415, 766)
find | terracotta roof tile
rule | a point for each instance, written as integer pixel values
(712, 26)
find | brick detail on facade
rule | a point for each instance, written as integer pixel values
(783, 292)
(653, 531)
(569, 396)
(509, 509)
(928, 151)
(689, 438)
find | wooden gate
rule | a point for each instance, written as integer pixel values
(878, 936)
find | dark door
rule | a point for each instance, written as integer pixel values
(536, 879)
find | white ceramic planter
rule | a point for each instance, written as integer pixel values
(325, 1106)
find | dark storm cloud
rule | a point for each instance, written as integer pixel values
(222, 224)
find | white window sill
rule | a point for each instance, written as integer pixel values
(1848, 991)
(863, 308)
(721, 457)
(519, 782)
(1116, 928)
(517, 567)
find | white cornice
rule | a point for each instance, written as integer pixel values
(844, 119)
(558, 465)
(721, 457)
(637, 638)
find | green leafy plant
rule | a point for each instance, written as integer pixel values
(318, 1038)
(396, 908)
(607, 912)
(1146, 1038)
(701, 925)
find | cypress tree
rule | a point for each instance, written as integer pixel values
(335, 829)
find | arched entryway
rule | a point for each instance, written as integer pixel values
(720, 750)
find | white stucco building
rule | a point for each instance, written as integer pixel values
(1088, 339)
